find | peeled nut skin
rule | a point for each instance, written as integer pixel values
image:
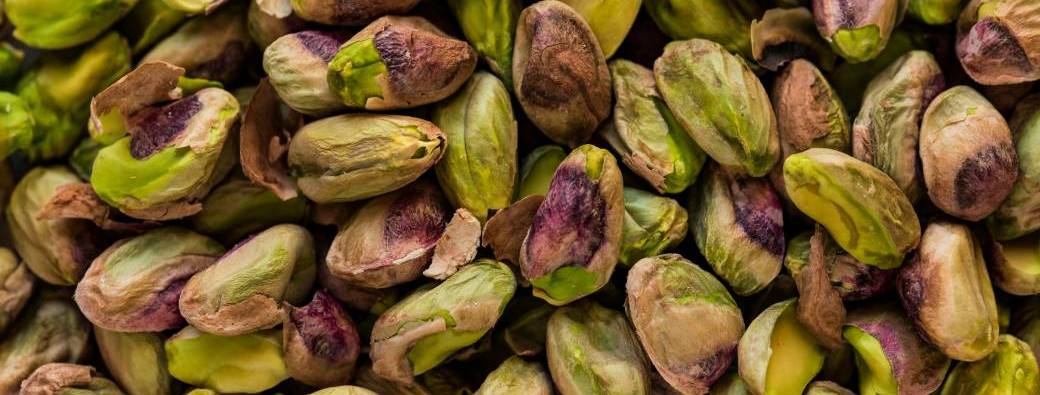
(862, 208)
(297, 66)
(63, 378)
(215, 47)
(997, 41)
(349, 12)
(859, 29)
(573, 244)
(391, 238)
(721, 104)
(1018, 214)
(247, 363)
(967, 155)
(738, 226)
(653, 225)
(783, 35)
(685, 319)
(320, 341)
(560, 75)
(592, 350)
(399, 62)
(723, 21)
(356, 156)
(946, 292)
(1014, 265)
(51, 330)
(886, 131)
(16, 286)
(137, 361)
(1010, 369)
(243, 291)
(50, 24)
(489, 26)
(890, 357)
(776, 354)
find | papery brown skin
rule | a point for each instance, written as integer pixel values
(320, 341)
(149, 84)
(264, 140)
(560, 76)
(820, 308)
(215, 47)
(16, 286)
(782, 35)
(505, 231)
(349, 12)
(1001, 47)
(457, 246)
(79, 201)
(66, 378)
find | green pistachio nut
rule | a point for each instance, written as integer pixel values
(537, 170)
(349, 12)
(971, 181)
(344, 390)
(721, 104)
(858, 30)
(50, 24)
(215, 47)
(51, 330)
(297, 65)
(1014, 265)
(68, 378)
(827, 388)
(782, 35)
(573, 244)
(243, 290)
(723, 21)
(133, 286)
(267, 23)
(515, 376)
(137, 361)
(935, 12)
(148, 22)
(385, 66)
(478, 170)
(16, 123)
(1010, 369)
(777, 355)
(489, 25)
(887, 128)
(238, 208)
(684, 317)
(11, 59)
(320, 342)
(890, 357)
(1017, 215)
(357, 156)
(646, 134)
(431, 324)
(248, 363)
(653, 224)
(609, 21)
(850, 80)
(738, 225)
(560, 75)
(947, 294)
(57, 251)
(592, 350)
(193, 7)
(862, 208)
(18, 286)
(996, 41)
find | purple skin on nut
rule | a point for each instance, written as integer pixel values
(154, 128)
(759, 213)
(326, 329)
(322, 44)
(416, 218)
(568, 227)
(989, 48)
(709, 370)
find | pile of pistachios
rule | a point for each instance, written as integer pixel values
(498, 197)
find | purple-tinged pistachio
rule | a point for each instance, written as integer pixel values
(646, 134)
(431, 324)
(782, 35)
(489, 25)
(777, 355)
(238, 208)
(148, 22)
(248, 363)
(967, 155)
(853, 279)
(935, 12)
(16, 286)
(730, 384)
(456, 247)
(320, 341)
(721, 104)
(137, 361)
(67, 378)
(399, 62)
(653, 224)
(686, 320)
(215, 47)
(1011, 369)
(344, 390)
(267, 25)
(537, 170)
(820, 309)
(357, 156)
(51, 330)
(1014, 265)
(135, 285)
(58, 24)
(515, 376)
(390, 239)
(997, 41)
(827, 388)
(609, 21)
(888, 125)
(738, 226)
(1017, 215)
(349, 12)
(947, 294)
(890, 357)
(478, 171)
(526, 335)
(297, 65)
(723, 21)
(243, 291)
(57, 251)
(858, 30)
(575, 237)
(560, 75)
(862, 208)
(78, 201)
(592, 350)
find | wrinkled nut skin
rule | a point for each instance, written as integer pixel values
(297, 65)
(886, 131)
(248, 363)
(998, 41)
(1018, 214)
(399, 62)
(592, 350)
(862, 208)
(16, 286)
(721, 104)
(352, 157)
(559, 73)
(722, 21)
(820, 309)
(137, 361)
(215, 47)
(1013, 264)
(391, 238)
(243, 291)
(51, 330)
(49, 24)
(883, 340)
(783, 35)
(653, 224)
(574, 241)
(946, 292)
(967, 155)
(478, 170)
(738, 226)
(65, 378)
(135, 284)
(489, 25)
(935, 12)
(57, 251)
(428, 326)
(349, 12)
(238, 208)
(320, 341)
(1010, 369)
(859, 29)
(686, 320)
(516, 375)
(610, 22)
(645, 133)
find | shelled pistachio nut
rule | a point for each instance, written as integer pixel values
(17, 123)
(247, 363)
(489, 26)
(723, 21)
(238, 208)
(1010, 369)
(890, 357)
(1014, 265)
(1017, 215)
(349, 12)
(785, 34)
(137, 361)
(214, 47)
(537, 170)
(50, 24)
(297, 65)
(516, 375)
(51, 330)
(777, 355)
(610, 22)
(935, 12)
(18, 283)
(653, 224)
(66, 378)
(320, 342)
(860, 29)
(996, 41)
